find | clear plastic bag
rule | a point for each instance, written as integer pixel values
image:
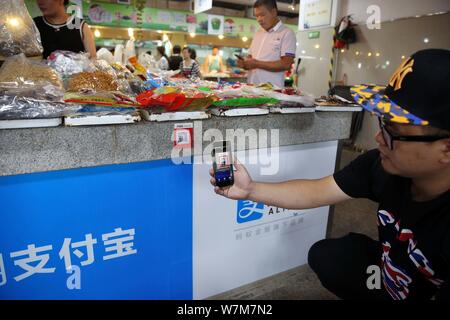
(137, 86)
(104, 66)
(80, 73)
(105, 54)
(306, 100)
(20, 76)
(128, 82)
(130, 50)
(122, 84)
(18, 33)
(16, 107)
(118, 54)
(67, 63)
(46, 92)
(93, 82)
(146, 60)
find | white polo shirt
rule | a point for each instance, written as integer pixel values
(271, 46)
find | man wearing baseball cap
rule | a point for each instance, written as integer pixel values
(408, 175)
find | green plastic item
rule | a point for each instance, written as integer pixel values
(245, 102)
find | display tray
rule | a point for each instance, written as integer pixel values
(337, 103)
(237, 112)
(174, 116)
(100, 119)
(291, 109)
(30, 123)
(343, 108)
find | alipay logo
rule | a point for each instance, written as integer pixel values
(249, 211)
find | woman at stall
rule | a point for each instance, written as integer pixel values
(189, 67)
(162, 61)
(60, 31)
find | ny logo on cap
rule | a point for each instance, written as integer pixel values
(398, 76)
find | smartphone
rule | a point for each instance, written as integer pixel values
(239, 57)
(222, 164)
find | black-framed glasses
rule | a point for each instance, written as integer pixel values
(389, 138)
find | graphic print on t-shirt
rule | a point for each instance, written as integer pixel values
(396, 279)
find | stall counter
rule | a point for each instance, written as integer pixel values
(107, 213)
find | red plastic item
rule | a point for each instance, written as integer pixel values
(170, 101)
(339, 44)
(174, 101)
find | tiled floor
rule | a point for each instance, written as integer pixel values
(300, 283)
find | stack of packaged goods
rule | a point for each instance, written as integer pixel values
(287, 98)
(169, 94)
(176, 99)
(69, 83)
(238, 99)
(93, 84)
(238, 96)
(31, 89)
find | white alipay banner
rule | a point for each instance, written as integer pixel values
(239, 242)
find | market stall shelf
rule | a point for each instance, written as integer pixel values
(113, 162)
(336, 103)
(354, 108)
(30, 123)
(239, 112)
(287, 110)
(103, 119)
(174, 116)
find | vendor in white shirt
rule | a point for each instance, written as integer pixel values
(272, 51)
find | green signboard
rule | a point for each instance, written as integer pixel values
(117, 15)
(314, 35)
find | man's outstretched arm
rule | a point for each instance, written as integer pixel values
(294, 194)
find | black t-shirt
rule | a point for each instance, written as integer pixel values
(415, 236)
(67, 36)
(174, 62)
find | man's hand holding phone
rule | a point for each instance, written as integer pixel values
(226, 181)
(247, 63)
(240, 189)
(241, 63)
